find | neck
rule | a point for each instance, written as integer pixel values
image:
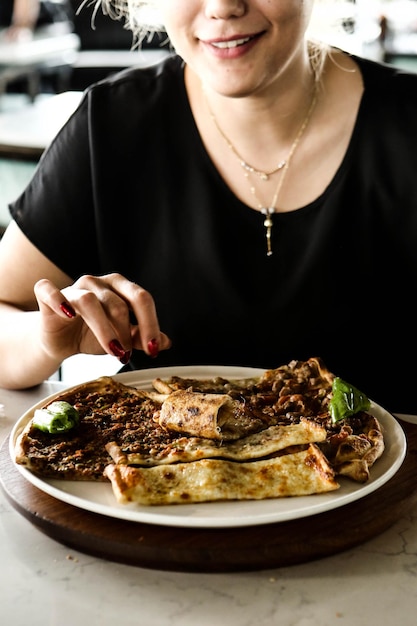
(275, 111)
(265, 151)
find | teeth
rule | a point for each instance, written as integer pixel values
(230, 44)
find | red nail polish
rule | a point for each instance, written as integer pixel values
(116, 348)
(153, 348)
(119, 352)
(125, 358)
(67, 309)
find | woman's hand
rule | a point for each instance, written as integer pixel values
(98, 315)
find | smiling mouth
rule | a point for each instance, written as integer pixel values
(231, 44)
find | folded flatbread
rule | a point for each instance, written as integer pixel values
(297, 474)
(186, 449)
(209, 415)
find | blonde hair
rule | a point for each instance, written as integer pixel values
(138, 16)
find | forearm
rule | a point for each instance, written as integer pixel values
(24, 363)
(25, 13)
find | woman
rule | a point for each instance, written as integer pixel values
(250, 201)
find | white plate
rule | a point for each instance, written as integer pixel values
(99, 498)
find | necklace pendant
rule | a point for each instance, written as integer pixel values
(249, 171)
(246, 166)
(268, 223)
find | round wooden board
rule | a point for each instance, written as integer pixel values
(216, 550)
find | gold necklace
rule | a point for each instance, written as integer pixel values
(283, 165)
(244, 164)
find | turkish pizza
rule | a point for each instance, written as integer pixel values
(289, 432)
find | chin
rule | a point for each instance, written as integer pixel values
(232, 86)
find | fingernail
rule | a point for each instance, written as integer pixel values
(125, 358)
(119, 352)
(117, 349)
(153, 348)
(67, 309)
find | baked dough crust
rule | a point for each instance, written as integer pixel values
(299, 473)
(262, 444)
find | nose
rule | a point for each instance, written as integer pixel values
(225, 9)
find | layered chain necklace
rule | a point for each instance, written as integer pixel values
(282, 167)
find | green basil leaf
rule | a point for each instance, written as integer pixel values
(346, 401)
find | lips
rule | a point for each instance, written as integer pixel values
(231, 47)
(233, 43)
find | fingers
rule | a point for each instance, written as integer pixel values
(105, 305)
(148, 336)
(104, 314)
(143, 329)
(63, 327)
(52, 301)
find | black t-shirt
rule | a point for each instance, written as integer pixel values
(128, 186)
